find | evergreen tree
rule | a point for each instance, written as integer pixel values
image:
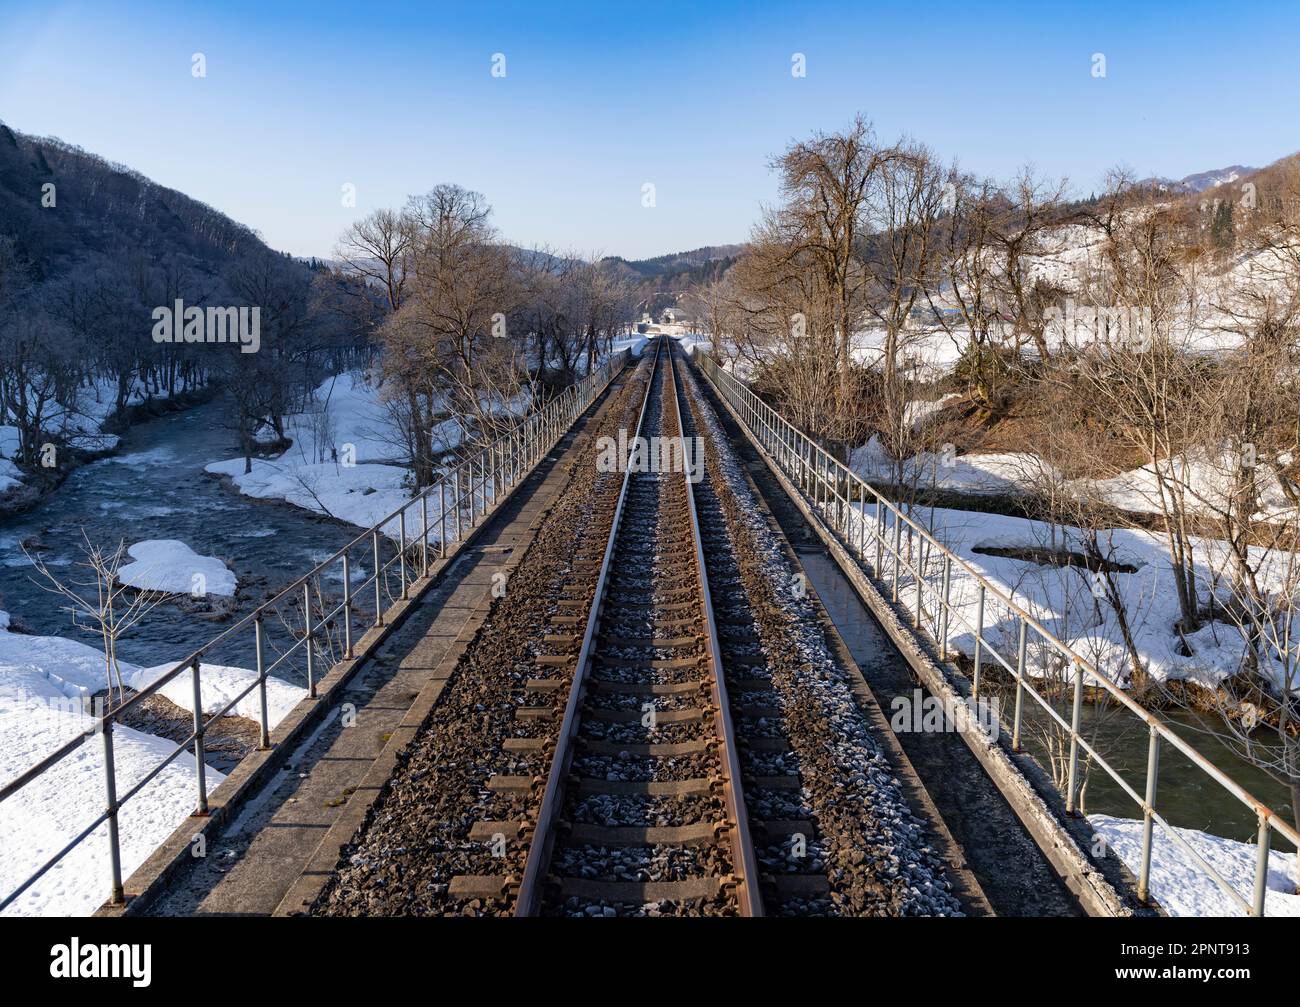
(1223, 234)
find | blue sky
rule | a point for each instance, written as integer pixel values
(598, 99)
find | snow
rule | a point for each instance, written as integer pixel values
(1207, 474)
(1009, 473)
(361, 494)
(634, 344)
(1062, 258)
(1062, 598)
(345, 462)
(37, 821)
(920, 412)
(1182, 886)
(220, 683)
(10, 475)
(174, 568)
(44, 685)
(9, 441)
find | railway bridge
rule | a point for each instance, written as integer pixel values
(556, 685)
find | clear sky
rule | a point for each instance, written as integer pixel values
(597, 100)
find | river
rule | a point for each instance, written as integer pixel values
(155, 488)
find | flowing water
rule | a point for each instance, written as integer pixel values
(155, 488)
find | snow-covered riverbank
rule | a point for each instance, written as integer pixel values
(81, 427)
(1180, 885)
(345, 461)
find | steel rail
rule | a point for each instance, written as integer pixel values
(743, 858)
(528, 898)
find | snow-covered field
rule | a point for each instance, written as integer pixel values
(44, 682)
(1206, 475)
(1062, 258)
(1010, 473)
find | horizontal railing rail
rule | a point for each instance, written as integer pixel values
(306, 628)
(842, 497)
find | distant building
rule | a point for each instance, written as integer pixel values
(672, 322)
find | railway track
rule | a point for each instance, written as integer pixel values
(646, 737)
(649, 722)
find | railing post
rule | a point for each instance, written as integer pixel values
(456, 499)
(862, 520)
(1261, 868)
(943, 609)
(920, 581)
(310, 640)
(979, 641)
(472, 491)
(880, 537)
(841, 505)
(347, 608)
(1020, 684)
(1148, 815)
(442, 517)
(379, 604)
(424, 532)
(1072, 788)
(898, 551)
(117, 895)
(401, 543)
(265, 740)
(200, 755)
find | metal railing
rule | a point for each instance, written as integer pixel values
(307, 628)
(922, 566)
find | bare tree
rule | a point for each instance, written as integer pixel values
(448, 351)
(828, 183)
(98, 601)
(1026, 231)
(377, 248)
(903, 258)
(970, 264)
